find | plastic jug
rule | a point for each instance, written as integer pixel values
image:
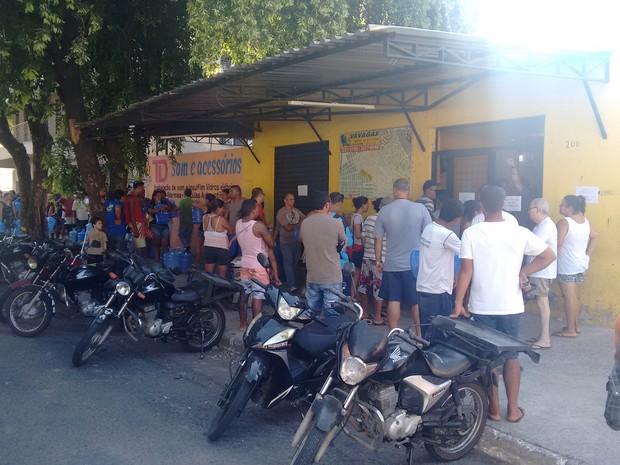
(73, 235)
(51, 224)
(2, 227)
(414, 261)
(185, 261)
(81, 236)
(169, 259)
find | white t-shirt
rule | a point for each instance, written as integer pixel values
(548, 232)
(497, 250)
(437, 248)
(572, 257)
(479, 218)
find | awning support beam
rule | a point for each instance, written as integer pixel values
(597, 114)
(317, 133)
(415, 131)
(247, 145)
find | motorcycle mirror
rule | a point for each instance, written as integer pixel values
(263, 260)
(349, 268)
(443, 323)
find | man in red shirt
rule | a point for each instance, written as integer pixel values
(68, 220)
(135, 217)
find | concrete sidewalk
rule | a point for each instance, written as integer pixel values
(563, 397)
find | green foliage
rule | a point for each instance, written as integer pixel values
(64, 174)
(247, 30)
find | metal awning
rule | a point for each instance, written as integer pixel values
(392, 69)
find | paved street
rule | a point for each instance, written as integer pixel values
(146, 403)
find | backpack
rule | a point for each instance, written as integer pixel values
(612, 406)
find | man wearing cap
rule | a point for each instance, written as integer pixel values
(428, 195)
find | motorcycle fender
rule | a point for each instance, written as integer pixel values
(327, 411)
(257, 366)
(20, 283)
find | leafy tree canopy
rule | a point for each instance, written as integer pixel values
(247, 30)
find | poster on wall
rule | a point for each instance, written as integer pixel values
(371, 160)
(202, 172)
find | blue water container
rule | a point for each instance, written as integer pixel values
(51, 224)
(169, 259)
(81, 236)
(414, 261)
(2, 227)
(73, 235)
(185, 262)
(18, 227)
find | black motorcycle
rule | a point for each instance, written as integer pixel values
(60, 277)
(288, 354)
(402, 389)
(14, 251)
(148, 304)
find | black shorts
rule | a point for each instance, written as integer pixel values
(215, 255)
(357, 258)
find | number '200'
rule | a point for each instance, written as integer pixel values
(572, 144)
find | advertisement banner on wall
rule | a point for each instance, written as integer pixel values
(202, 172)
(371, 160)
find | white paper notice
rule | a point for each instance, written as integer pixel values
(465, 196)
(302, 191)
(589, 192)
(512, 203)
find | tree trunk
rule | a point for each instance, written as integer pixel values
(68, 77)
(116, 164)
(42, 143)
(22, 165)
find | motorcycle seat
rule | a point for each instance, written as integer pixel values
(316, 338)
(185, 295)
(445, 362)
(366, 343)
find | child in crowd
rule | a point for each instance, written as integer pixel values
(95, 251)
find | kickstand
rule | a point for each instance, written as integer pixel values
(409, 448)
(202, 343)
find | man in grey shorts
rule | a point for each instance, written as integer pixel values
(402, 223)
(545, 229)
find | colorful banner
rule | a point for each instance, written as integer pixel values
(202, 172)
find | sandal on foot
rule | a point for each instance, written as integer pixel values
(563, 334)
(520, 418)
(381, 323)
(539, 347)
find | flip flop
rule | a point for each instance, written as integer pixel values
(520, 418)
(565, 328)
(539, 347)
(532, 339)
(563, 334)
(489, 417)
(383, 323)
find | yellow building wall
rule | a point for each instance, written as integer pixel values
(569, 121)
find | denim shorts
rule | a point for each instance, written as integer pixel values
(399, 286)
(160, 230)
(507, 324)
(432, 305)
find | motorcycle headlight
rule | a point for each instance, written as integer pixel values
(33, 263)
(123, 288)
(287, 312)
(282, 339)
(353, 370)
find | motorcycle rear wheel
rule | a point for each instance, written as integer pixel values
(39, 316)
(213, 321)
(96, 334)
(237, 399)
(476, 403)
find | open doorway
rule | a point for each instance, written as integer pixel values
(508, 153)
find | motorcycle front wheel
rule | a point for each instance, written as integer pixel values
(455, 444)
(209, 322)
(97, 333)
(233, 405)
(309, 447)
(29, 311)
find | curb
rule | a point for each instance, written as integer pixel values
(493, 443)
(513, 450)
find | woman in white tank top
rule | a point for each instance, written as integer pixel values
(216, 229)
(576, 241)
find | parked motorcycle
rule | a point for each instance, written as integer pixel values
(62, 278)
(402, 389)
(14, 251)
(288, 355)
(148, 304)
